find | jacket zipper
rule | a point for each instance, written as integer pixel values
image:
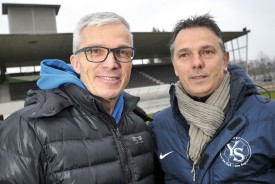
(113, 128)
(124, 157)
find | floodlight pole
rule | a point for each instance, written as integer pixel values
(247, 53)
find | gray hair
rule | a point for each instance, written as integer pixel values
(197, 21)
(97, 19)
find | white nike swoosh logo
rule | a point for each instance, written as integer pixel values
(161, 156)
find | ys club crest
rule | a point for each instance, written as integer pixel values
(236, 153)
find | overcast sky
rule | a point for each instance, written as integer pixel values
(258, 16)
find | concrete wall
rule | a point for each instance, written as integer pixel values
(31, 20)
(152, 98)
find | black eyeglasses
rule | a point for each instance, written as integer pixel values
(99, 54)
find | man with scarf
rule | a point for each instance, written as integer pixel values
(81, 127)
(218, 129)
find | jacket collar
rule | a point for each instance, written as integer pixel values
(239, 88)
(92, 103)
(49, 102)
(83, 98)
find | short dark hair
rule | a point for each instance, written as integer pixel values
(197, 21)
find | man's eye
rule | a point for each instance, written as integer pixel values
(183, 55)
(208, 52)
(94, 51)
(125, 52)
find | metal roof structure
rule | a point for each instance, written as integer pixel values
(17, 50)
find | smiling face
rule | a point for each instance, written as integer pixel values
(109, 78)
(199, 61)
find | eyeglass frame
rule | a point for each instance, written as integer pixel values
(109, 50)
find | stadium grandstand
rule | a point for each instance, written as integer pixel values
(29, 42)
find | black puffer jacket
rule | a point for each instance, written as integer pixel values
(65, 136)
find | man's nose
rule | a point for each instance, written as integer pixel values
(197, 61)
(110, 61)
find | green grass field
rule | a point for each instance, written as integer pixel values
(272, 94)
(12, 80)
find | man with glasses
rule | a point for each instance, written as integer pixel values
(81, 127)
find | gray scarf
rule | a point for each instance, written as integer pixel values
(204, 118)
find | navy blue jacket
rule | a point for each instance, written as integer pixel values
(242, 151)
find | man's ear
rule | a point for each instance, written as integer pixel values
(226, 60)
(75, 63)
(175, 68)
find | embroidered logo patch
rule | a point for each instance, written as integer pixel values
(137, 139)
(236, 153)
